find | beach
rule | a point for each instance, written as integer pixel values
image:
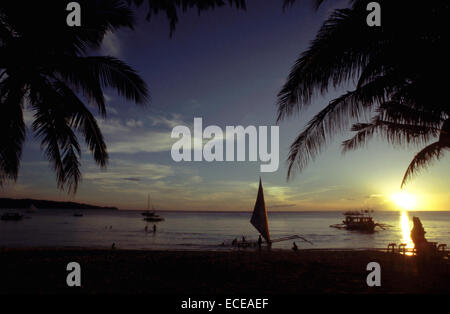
(255, 272)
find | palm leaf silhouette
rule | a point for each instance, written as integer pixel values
(43, 64)
(393, 69)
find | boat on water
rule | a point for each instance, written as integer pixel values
(32, 209)
(359, 221)
(154, 218)
(78, 215)
(11, 217)
(260, 222)
(148, 214)
(151, 216)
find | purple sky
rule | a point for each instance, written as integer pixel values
(225, 66)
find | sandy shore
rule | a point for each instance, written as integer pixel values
(240, 272)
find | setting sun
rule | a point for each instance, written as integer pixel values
(404, 200)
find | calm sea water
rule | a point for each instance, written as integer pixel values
(206, 231)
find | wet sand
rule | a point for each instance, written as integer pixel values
(239, 272)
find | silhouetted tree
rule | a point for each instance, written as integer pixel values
(171, 7)
(398, 71)
(44, 66)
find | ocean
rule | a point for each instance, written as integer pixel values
(206, 231)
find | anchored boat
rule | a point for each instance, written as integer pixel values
(359, 221)
(151, 216)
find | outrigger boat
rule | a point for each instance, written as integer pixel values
(359, 221)
(260, 222)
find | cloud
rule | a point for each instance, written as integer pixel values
(132, 179)
(28, 117)
(111, 45)
(170, 123)
(281, 205)
(107, 97)
(374, 195)
(131, 137)
(150, 142)
(112, 110)
(120, 171)
(132, 123)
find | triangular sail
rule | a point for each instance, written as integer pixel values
(259, 217)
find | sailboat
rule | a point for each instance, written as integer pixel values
(260, 222)
(148, 213)
(151, 215)
(259, 216)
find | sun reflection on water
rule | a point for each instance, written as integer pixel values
(406, 226)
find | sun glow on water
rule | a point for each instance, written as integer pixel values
(406, 230)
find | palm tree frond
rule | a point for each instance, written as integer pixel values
(397, 134)
(71, 166)
(423, 159)
(47, 17)
(91, 74)
(337, 54)
(333, 119)
(171, 7)
(12, 128)
(396, 112)
(83, 120)
(52, 125)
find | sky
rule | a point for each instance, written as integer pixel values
(225, 66)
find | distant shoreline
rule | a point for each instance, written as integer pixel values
(12, 203)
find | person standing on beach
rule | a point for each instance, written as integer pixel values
(154, 228)
(295, 247)
(259, 241)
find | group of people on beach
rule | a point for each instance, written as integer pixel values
(260, 242)
(235, 241)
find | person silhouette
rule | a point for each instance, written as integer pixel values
(259, 241)
(294, 247)
(154, 228)
(421, 244)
